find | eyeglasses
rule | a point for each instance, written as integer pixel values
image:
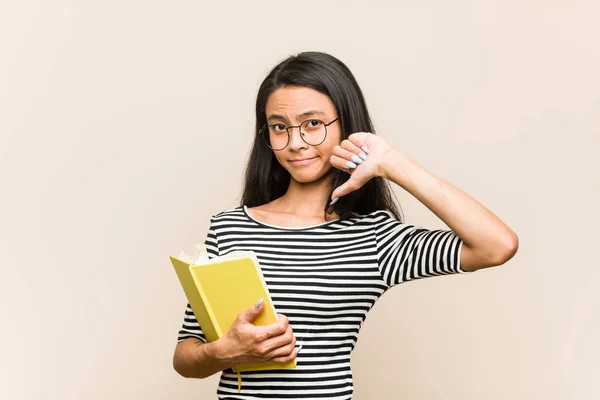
(277, 136)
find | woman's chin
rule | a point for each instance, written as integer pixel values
(308, 176)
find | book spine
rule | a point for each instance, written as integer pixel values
(209, 310)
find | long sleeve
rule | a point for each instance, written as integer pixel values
(190, 327)
(407, 252)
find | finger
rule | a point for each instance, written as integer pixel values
(348, 155)
(350, 186)
(359, 138)
(351, 147)
(250, 314)
(276, 342)
(283, 322)
(357, 143)
(276, 328)
(282, 318)
(342, 163)
(280, 348)
(285, 360)
(283, 352)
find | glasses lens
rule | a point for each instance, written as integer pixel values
(313, 131)
(275, 136)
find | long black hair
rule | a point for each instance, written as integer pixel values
(266, 180)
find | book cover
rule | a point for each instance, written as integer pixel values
(219, 289)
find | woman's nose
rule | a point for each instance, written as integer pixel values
(296, 141)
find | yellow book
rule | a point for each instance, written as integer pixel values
(219, 289)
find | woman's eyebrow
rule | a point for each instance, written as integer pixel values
(305, 114)
(310, 113)
(275, 116)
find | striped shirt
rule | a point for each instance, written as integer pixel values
(324, 278)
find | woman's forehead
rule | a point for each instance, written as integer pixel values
(298, 102)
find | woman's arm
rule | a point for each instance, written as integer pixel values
(487, 241)
(243, 343)
(196, 359)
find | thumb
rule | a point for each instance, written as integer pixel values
(250, 314)
(349, 186)
(337, 193)
(340, 192)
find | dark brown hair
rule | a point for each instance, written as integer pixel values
(266, 180)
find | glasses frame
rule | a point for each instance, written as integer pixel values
(265, 133)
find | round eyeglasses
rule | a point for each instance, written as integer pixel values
(277, 136)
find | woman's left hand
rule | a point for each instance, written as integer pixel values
(361, 155)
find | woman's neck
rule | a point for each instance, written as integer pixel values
(305, 199)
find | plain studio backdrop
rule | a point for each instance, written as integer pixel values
(124, 125)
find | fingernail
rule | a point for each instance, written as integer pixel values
(357, 159)
(334, 201)
(362, 155)
(298, 349)
(365, 149)
(258, 303)
(350, 164)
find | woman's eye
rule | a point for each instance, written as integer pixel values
(314, 122)
(279, 127)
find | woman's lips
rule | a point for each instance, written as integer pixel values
(302, 161)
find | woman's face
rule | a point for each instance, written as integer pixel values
(291, 106)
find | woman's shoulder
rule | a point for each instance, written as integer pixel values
(235, 212)
(376, 217)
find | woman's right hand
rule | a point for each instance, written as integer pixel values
(246, 343)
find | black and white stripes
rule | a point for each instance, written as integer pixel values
(325, 279)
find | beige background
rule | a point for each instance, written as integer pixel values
(125, 125)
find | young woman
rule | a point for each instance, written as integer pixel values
(318, 211)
